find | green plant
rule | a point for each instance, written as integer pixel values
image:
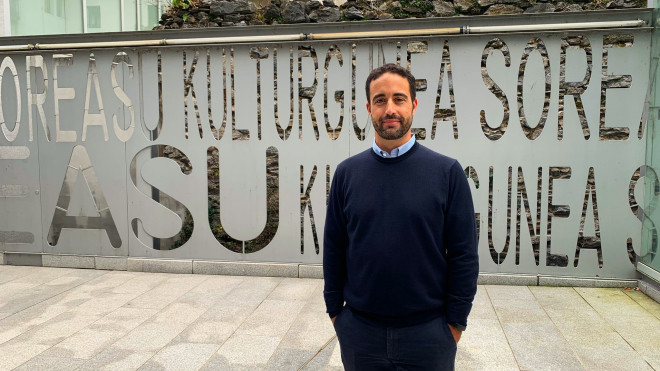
(186, 16)
(183, 4)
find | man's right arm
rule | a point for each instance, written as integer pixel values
(335, 242)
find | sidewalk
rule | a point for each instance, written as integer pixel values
(76, 319)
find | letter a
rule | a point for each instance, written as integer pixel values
(80, 170)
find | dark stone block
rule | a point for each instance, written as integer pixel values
(540, 8)
(272, 12)
(353, 14)
(327, 15)
(294, 12)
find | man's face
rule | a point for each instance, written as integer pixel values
(390, 106)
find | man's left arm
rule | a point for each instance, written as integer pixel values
(460, 239)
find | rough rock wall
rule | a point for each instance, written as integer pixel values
(223, 13)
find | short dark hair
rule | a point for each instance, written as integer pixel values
(395, 69)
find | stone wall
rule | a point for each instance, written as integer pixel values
(223, 13)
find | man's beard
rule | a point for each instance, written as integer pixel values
(405, 124)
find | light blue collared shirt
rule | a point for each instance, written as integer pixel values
(396, 152)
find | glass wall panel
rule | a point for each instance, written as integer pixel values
(39, 17)
(148, 14)
(103, 16)
(130, 15)
(651, 213)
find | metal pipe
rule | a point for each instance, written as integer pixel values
(9, 48)
(330, 36)
(105, 44)
(236, 39)
(393, 33)
(556, 26)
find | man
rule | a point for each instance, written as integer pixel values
(400, 244)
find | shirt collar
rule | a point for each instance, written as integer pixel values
(396, 152)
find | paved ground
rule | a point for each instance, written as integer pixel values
(56, 318)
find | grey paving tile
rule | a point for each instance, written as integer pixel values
(41, 362)
(141, 283)
(642, 333)
(334, 363)
(123, 319)
(519, 311)
(179, 313)
(56, 329)
(150, 336)
(316, 302)
(41, 293)
(497, 293)
(612, 302)
(227, 311)
(11, 272)
(105, 282)
(181, 356)
(84, 344)
(217, 285)
(481, 306)
(11, 289)
(210, 292)
(167, 292)
(310, 331)
(645, 302)
(483, 346)
(15, 353)
(113, 359)
(244, 351)
(271, 318)
(540, 346)
(33, 316)
(7, 333)
(41, 275)
(5, 315)
(289, 359)
(321, 359)
(295, 289)
(595, 342)
(207, 332)
(251, 292)
(103, 304)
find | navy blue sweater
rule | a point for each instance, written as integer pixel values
(400, 244)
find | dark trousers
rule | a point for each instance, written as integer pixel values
(369, 346)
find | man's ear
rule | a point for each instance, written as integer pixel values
(414, 106)
(368, 108)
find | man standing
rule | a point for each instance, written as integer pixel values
(400, 244)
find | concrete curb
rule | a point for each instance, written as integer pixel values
(274, 269)
(650, 289)
(507, 279)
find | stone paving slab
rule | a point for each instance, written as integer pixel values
(596, 343)
(74, 319)
(484, 346)
(114, 359)
(51, 363)
(180, 357)
(244, 352)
